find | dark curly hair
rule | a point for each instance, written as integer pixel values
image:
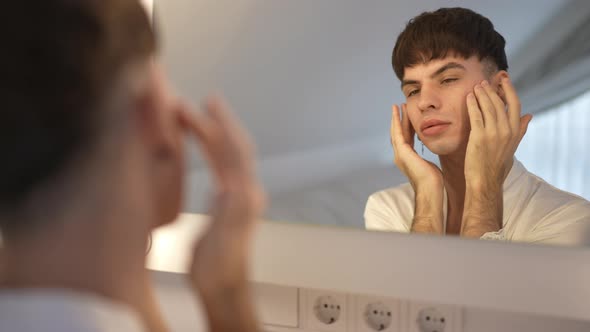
(58, 59)
(448, 31)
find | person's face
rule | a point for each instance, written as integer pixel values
(436, 101)
(166, 141)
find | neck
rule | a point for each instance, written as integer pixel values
(92, 241)
(453, 169)
(89, 228)
(86, 259)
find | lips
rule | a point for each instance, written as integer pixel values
(433, 127)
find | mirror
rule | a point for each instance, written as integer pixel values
(313, 82)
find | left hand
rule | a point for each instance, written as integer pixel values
(496, 131)
(495, 135)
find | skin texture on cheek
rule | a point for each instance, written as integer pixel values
(169, 160)
(175, 173)
(455, 110)
(448, 100)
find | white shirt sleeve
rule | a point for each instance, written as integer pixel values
(49, 310)
(569, 226)
(386, 214)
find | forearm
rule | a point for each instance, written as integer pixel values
(231, 310)
(428, 211)
(483, 211)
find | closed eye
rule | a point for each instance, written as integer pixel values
(448, 80)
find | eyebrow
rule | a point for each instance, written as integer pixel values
(450, 65)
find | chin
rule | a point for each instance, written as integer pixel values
(443, 148)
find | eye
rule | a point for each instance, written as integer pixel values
(448, 80)
(413, 92)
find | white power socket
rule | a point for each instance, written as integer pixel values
(428, 317)
(325, 311)
(376, 314)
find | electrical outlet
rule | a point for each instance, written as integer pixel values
(376, 314)
(428, 317)
(325, 311)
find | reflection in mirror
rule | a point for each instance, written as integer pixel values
(315, 83)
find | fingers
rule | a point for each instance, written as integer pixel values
(513, 102)
(402, 131)
(395, 130)
(224, 143)
(236, 149)
(475, 116)
(407, 129)
(486, 107)
(205, 132)
(238, 208)
(498, 104)
(508, 124)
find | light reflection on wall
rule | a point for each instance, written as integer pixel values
(555, 146)
(149, 5)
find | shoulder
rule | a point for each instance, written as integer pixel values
(390, 209)
(401, 194)
(548, 199)
(553, 215)
(61, 310)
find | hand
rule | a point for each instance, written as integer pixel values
(494, 138)
(219, 269)
(495, 135)
(420, 172)
(425, 177)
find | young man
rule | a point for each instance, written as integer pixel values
(461, 103)
(92, 136)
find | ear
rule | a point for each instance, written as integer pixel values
(496, 82)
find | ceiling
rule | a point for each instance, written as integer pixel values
(308, 74)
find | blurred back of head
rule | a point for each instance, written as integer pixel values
(59, 63)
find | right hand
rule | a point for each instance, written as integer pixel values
(423, 174)
(425, 177)
(221, 259)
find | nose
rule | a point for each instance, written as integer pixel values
(429, 99)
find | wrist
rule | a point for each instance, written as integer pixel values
(476, 226)
(481, 188)
(428, 211)
(428, 225)
(428, 185)
(482, 211)
(236, 300)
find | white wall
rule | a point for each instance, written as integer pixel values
(338, 200)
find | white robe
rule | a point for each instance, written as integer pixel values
(534, 211)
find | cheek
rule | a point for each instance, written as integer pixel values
(413, 115)
(461, 107)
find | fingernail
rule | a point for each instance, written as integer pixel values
(470, 95)
(485, 83)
